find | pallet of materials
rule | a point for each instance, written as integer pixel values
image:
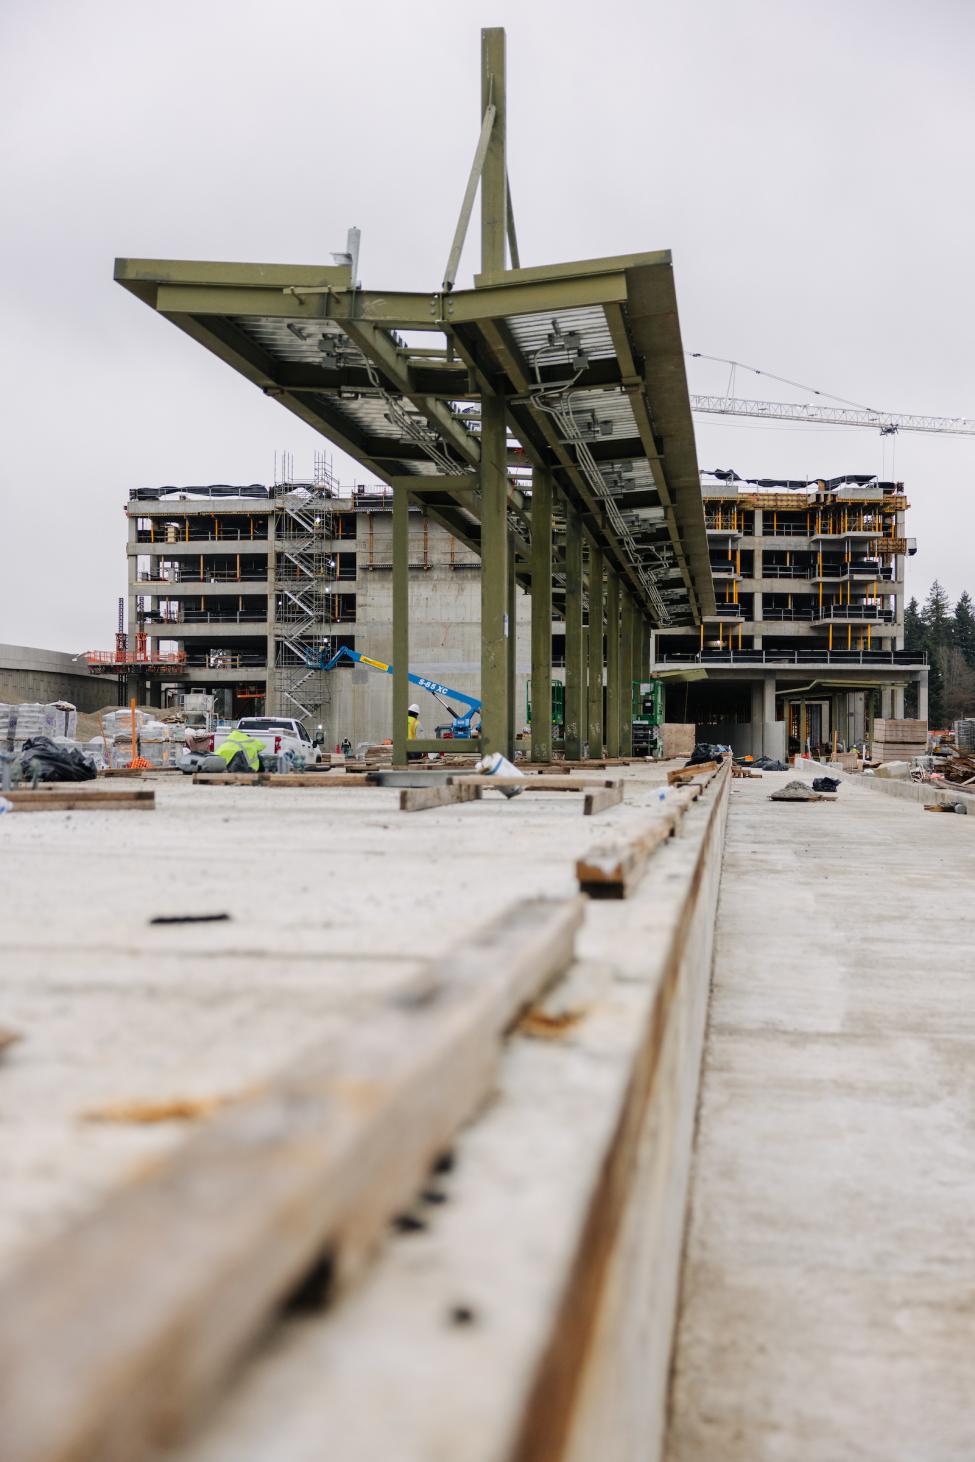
(899, 740)
(677, 739)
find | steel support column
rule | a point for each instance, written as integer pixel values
(595, 727)
(511, 623)
(496, 714)
(638, 672)
(627, 617)
(541, 691)
(401, 620)
(612, 664)
(494, 178)
(494, 575)
(575, 670)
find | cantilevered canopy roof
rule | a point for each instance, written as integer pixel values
(588, 357)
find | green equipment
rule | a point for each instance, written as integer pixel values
(558, 703)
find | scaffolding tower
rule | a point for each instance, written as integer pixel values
(304, 573)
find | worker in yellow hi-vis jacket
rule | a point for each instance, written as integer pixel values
(241, 752)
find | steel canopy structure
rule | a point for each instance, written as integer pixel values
(542, 417)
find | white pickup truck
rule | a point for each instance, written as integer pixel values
(279, 733)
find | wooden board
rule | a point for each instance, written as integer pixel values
(138, 772)
(282, 779)
(613, 869)
(539, 784)
(683, 774)
(602, 799)
(113, 1335)
(418, 799)
(59, 799)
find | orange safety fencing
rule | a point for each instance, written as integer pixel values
(121, 657)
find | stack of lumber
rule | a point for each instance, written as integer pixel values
(677, 739)
(899, 740)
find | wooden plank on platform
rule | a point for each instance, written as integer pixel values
(539, 784)
(115, 1333)
(60, 799)
(599, 801)
(684, 774)
(418, 799)
(613, 869)
(282, 779)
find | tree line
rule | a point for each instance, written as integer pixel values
(948, 636)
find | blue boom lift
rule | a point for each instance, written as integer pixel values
(461, 726)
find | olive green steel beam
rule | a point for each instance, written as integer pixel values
(379, 347)
(463, 485)
(494, 576)
(470, 193)
(401, 620)
(541, 590)
(605, 264)
(613, 738)
(627, 618)
(595, 727)
(648, 439)
(575, 673)
(534, 426)
(392, 310)
(136, 273)
(494, 177)
(512, 235)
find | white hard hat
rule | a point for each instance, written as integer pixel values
(414, 709)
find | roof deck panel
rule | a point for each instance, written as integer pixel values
(589, 354)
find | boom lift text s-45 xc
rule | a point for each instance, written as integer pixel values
(461, 726)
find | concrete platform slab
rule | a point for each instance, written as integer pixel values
(827, 1303)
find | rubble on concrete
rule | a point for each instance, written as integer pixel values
(797, 791)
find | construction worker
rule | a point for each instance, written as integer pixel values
(412, 726)
(240, 752)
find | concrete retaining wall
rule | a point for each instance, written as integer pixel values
(29, 674)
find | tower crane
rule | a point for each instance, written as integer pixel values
(849, 413)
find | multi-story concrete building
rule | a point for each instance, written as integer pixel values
(242, 591)
(808, 638)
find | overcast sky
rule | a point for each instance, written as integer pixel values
(809, 165)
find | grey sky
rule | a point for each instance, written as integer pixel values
(809, 165)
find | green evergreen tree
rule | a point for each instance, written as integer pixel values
(964, 627)
(914, 639)
(937, 617)
(913, 627)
